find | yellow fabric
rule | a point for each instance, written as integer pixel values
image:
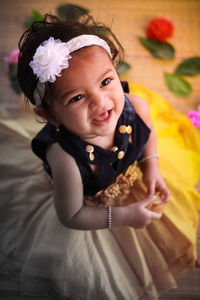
(177, 129)
(123, 263)
(179, 150)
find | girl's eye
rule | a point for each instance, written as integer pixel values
(106, 82)
(76, 98)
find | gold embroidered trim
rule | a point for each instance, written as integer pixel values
(117, 193)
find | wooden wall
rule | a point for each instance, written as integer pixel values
(128, 19)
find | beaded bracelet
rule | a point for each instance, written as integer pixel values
(148, 157)
(109, 217)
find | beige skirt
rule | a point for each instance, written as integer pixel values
(46, 258)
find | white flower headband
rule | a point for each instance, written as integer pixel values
(52, 56)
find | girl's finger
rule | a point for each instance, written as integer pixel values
(148, 200)
(155, 215)
(165, 195)
(151, 189)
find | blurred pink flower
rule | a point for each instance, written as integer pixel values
(11, 59)
(11, 65)
(194, 117)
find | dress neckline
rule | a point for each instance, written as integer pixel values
(94, 153)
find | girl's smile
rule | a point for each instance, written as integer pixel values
(89, 98)
(103, 118)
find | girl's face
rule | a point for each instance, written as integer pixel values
(89, 96)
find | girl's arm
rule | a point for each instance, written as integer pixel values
(69, 201)
(142, 109)
(150, 168)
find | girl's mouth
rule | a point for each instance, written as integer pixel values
(102, 118)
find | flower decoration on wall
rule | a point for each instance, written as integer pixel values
(11, 62)
(194, 117)
(158, 30)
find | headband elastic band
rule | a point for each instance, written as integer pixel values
(52, 56)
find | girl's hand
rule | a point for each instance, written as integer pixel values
(138, 216)
(155, 183)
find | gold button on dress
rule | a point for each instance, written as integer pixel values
(125, 129)
(120, 154)
(114, 149)
(122, 129)
(90, 149)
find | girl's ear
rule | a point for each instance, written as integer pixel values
(39, 110)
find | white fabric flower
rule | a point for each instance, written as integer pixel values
(50, 59)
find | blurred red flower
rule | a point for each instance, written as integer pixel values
(159, 29)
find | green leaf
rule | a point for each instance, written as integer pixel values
(36, 16)
(14, 79)
(15, 85)
(160, 50)
(179, 86)
(13, 71)
(70, 11)
(102, 31)
(123, 68)
(190, 66)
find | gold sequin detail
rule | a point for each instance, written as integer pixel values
(121, 192)
(156, 205)
(114, 149)
(125, 129)
(120, 155)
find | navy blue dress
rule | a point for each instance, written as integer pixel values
(110, 163)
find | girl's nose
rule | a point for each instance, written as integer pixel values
(97, 101)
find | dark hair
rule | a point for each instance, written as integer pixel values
(63, 30)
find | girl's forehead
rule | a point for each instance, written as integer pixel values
(90, 53)
(86, 60)
(86, 64)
